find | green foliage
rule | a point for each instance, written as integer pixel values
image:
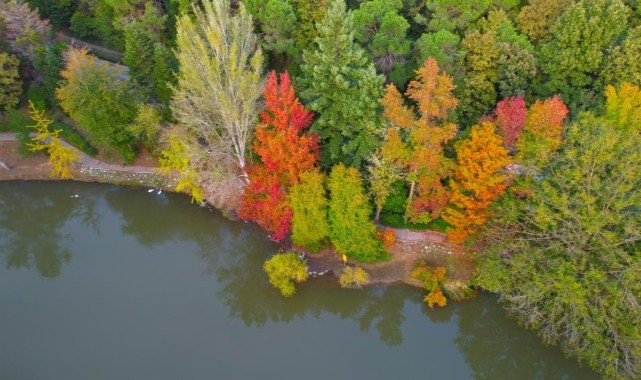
(444, 47)
(341, 85)
(147, 125)
(50, 62)
(498, 60)
(163, 74)
(576, 53)
(277, 22)
(353, 277)
(381, 175)
(176, 162)
(308, 201)
(309, 13)
(536, 18)
(10, 83)
(622, 63)
(92, 94)
(566, 260)
(383, 32)
(285, 270)
(139, 54)
(57, 11)
(351, 231)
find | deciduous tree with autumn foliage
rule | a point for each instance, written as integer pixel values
(542, 135)
(415, 144)
(478, 181)
(285, 151)
(510, 115)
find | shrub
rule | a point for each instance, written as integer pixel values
(432, 279)
(284, 271)
(353, 277)
(388, 237)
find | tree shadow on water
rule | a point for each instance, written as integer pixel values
(32, 221)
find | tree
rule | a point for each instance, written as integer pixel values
(537, 17)
(284, 271)
(341, 85)
(58, 12)
(278, 24)
(285, 152)
(139, 54)
(510, 115)
(353, 277)
(566, 260)
(416, 145)
(623, 108)
(163, 74)
(10, 84)
(309, 13)
(542, 134)
(61, 157)
(383, 32)
(176, 160)
(497, 57)
(308, 200)
(50, 62)
(576, 53)
(477, 182)
(92, 94)
(381, 175)
(455, 15)
(622, 64)
(351, 230)
(23, 28)
(445, 48)
(219, 86)
(147, 126)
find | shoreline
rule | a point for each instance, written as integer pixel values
(404, 254)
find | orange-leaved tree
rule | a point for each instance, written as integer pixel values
(477, 181)
(542, 134)
(285, 151)
(415, 141)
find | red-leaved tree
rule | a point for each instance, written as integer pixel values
(285, 151)
(510, 117)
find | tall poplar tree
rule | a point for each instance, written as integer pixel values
(219, 86)
(341, 85)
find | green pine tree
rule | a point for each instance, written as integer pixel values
(341, 85)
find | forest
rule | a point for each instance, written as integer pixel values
(512, 126)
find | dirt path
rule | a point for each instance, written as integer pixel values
(86, 168)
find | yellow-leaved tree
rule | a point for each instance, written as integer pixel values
(61, 157)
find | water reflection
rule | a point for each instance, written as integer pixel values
(33, 235)
(31, 222)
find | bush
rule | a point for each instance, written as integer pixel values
(284, 271)
(353, 277)
(388, 237)
(432, 279)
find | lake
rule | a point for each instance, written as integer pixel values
(121, 283)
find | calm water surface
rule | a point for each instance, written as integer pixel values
(120, 283)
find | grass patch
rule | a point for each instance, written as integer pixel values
(397, 221)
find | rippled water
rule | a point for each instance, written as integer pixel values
(120, 283)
